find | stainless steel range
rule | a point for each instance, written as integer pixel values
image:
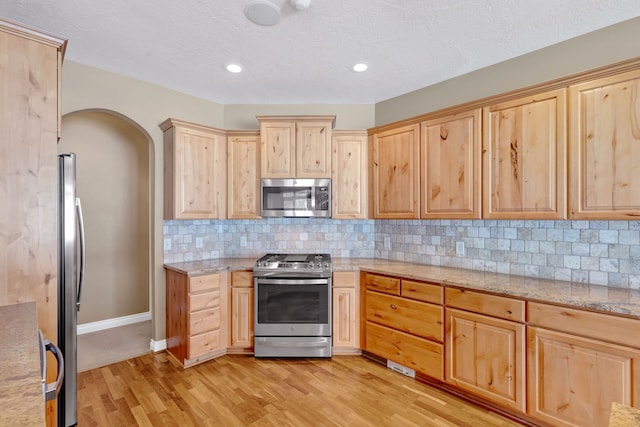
(292, 305)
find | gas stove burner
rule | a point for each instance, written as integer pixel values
(272, 264)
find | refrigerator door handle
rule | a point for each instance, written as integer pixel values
(50, 390)
(82, 251)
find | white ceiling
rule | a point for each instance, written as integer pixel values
(307, 57)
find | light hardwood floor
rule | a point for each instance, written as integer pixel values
(152, 390)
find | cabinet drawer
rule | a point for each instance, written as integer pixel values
(242, 279)
(204, 300)
(491, 305)
(207, 282)
(416, 353)
(427, 292)
(204, 320)
(204, 343)
(388, 285)
(605, 327)
(414, 317)
(344, 279)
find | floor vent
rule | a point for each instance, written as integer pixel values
(402, 369)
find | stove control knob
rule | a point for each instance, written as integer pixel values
(326, 264)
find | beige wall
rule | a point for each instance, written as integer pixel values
(593, 50)
(113, 184)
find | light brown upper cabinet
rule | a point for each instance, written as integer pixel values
(296, 146)
(195, 171)
(450, 166)
(349, 175)
(395, 168)
(605, 148)
(524, 158)
(243, 179)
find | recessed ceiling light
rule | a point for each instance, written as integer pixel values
(234, 68)
(262, 12)
(360, 67)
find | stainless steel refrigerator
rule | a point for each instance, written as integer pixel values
(71, 251)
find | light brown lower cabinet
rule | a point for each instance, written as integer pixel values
(196, 307)
(486, 356)
(400, 326)
(346, 313)
(576, 374)
(241, 319)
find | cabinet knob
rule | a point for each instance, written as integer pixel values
(393, 306)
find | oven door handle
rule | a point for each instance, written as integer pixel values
(301, 276)
(292, 281)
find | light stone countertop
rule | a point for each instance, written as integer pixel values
(624, 416)
(21, 399)
(594, 297)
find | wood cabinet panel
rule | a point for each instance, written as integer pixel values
(524, 155)
(242, 279)
(450, 166)
(349, 175)
(605, 148)
(195, 171)
(386, 284)
(242, 317)
(346, 312)
(422, 291)
(396, 173)
(203, 321)
(573, 381)
(243, 179)
(486, 356)
(345, 319)
(196, 321)
(414, 317)
(425, 357)
(313, 149)
(241, 313)
(206, 282)
(295, 146)
(277, 155)
(204, 343)
(491, 305)
(600, 326)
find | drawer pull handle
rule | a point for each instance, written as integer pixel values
(393, 306)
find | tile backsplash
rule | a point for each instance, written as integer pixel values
(597, 252)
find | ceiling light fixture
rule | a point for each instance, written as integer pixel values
(300, 4)
(262, 12)
(360, 67)
(234, 68)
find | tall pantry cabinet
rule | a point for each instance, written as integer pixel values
(29, 130)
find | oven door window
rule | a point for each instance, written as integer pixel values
(296, 303)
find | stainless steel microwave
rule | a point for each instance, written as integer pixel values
(293, 197)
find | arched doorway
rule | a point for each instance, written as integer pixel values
(113, 182)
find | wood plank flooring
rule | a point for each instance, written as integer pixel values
(236, 390)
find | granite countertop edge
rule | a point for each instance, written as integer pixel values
(622, 301)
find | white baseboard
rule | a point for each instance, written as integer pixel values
(157, 346)
(100, 325)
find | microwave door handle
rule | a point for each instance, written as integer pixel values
(312, 190)
(82, 251)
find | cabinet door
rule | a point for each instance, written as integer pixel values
(242, 317)
(573, 380)
(349, 175)
(396, 170)
(524, 148)
(313, 149)
(605, 148)
(195, 172)
(243, 183)
(277, 145)
(450, 166)
(346, 312)
(486, 357)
